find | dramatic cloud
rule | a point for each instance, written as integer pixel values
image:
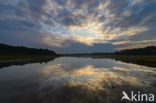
(68, 26)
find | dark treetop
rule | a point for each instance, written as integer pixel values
(150, 50)
(20, 50)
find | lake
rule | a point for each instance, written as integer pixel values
(75, 80)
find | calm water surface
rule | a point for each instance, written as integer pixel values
(74, 80)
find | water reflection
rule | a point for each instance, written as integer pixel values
(74, 80)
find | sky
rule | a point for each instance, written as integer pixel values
(78, 26)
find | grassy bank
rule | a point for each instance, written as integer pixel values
(24, 59)
(20, 57)
(15, 57)
(139, 58)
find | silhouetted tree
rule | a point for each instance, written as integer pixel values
(20, 50)
(150, 50)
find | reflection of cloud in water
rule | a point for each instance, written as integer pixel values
(134, 65)
(106, 76)
(86, 84)
(121, 69)
(77, 80)
(55, 69)
(91, 76)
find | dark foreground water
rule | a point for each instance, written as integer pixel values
(75, 80)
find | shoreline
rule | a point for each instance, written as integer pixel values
(25, 59)
(8, 60)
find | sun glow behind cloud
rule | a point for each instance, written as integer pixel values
(65, 23)
(91, 27)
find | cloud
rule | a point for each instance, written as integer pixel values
(62, 24)
(55, 41)
(121, 42)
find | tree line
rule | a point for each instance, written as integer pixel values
(149, 50)
(21, 50)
